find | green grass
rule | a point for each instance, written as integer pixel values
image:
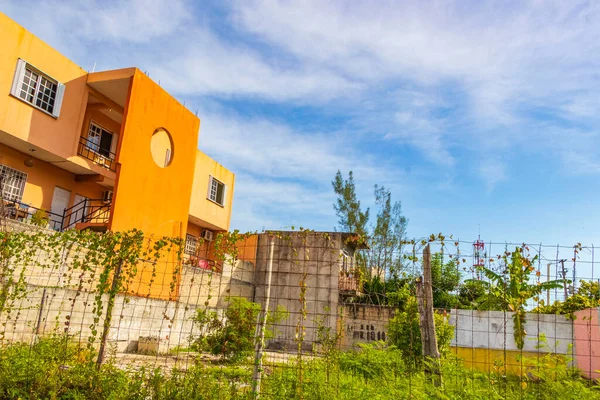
(53, 368)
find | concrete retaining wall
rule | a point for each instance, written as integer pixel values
(361, 323)
(313, 259)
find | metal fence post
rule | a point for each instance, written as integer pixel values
(260, 329)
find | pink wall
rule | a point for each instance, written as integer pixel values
(586, 331)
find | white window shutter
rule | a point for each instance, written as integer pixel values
(224, 195)
(60, 92)
(113, 144)
(19, 74)
(210, 178)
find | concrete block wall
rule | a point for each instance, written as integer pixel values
(361, 323)
(314, 258)
(494, 330)
(59, 297)
(211, 289)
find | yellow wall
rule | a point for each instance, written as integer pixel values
(59, 136)
(210, 214)
(153, 199)
(43, 177)
(495, 361)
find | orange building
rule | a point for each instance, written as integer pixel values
(106, 150)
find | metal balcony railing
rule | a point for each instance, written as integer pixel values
(348, 283)
(88, 211)
(92, 151)
(22, 212)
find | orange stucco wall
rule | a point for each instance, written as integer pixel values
(99, 118)
(149, 198)
(20, 119)
(209, 214)
(247, 249)
(43, 177)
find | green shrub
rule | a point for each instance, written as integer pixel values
(232, 336)
(404, 332)
(587, 296)
(40, 218)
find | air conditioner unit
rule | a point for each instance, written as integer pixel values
(207, 235)
(107, 196)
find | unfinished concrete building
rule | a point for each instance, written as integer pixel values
(313, 273)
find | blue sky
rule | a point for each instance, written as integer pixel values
(472, 113)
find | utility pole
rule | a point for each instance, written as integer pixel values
(548, 280)
(431, 354)
(564, 275)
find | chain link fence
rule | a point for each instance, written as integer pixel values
(298, 314)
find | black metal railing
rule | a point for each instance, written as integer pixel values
(90, 211)
(92, 151)
(22, 212)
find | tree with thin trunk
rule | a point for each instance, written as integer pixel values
(347, 206)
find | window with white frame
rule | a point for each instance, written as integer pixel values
(100, 140)
(13, 183)
(37, 89)
(346, 262)
(191, 242)
(216, 191)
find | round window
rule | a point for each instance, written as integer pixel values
(161, 146)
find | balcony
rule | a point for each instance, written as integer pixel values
(21, 212)
(92, 214)
(88, 214)
(92, 151)
(348, 285)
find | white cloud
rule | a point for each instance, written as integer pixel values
(456, 80)
(416, 125)
(492, 172)
(262, 147)
(285, 175)
(206, 65)
(176, 47)
(504, 57)
(134, 20)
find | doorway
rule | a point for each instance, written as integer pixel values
(78, 212)
(60, 201)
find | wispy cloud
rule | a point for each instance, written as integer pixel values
(458, 94)
(503, 58)
(137, 21)
(284, 174)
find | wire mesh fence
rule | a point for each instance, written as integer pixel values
(291, 315)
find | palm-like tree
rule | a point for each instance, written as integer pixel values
(512, 289)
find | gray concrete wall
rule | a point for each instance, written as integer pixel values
(361, 323)
(211, 289)
(313, 258)
(57, 294)
(60, 295)
(494, 330)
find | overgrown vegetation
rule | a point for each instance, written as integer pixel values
(513, 288)
(231, 335)
(587, 296)
(405, 335)
(55, 368)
